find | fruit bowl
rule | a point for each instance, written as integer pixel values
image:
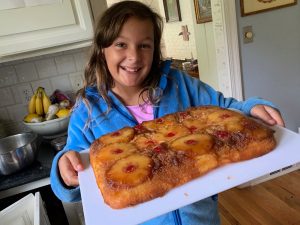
(51, 127)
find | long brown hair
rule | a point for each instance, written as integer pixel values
(107, 30)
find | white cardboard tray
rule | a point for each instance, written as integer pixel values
(96, 212)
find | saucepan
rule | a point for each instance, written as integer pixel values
(17, 152)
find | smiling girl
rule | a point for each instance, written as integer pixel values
(127, 83)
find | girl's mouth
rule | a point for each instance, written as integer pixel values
(130, 69)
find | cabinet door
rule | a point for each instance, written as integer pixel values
(21, 212)
(27, 211)
(40, 213)
(44, 26)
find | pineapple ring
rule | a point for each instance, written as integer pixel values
(124, 135)
(195, 144)
(115, 151)
(144, 141)
(224, 117)
(153, 125)
(193, 125)
(169, 133)
(130, 171)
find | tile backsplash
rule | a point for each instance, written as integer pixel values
(19, 79)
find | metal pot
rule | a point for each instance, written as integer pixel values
(17, 152)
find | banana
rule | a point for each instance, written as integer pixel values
(39, 102)
(31, 104)
(46, 101)
(32, 118)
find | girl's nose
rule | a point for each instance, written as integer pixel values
(133, 54)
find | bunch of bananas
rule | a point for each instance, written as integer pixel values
(40, 108)
(39, 102)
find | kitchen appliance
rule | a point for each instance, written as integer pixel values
(17, 152)
(59, 143)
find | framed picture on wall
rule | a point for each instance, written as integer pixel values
(172, 10)
(249, 7)
(203, 11)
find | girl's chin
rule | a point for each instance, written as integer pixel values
(130, 84)
(132, 81)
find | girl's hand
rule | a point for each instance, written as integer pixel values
(267, 114)
(69, 164)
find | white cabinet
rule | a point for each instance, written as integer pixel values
(27, 211)
(45, 28)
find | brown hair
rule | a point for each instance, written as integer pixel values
(107, 30)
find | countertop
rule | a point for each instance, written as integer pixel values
(38, 170)
(35, 178)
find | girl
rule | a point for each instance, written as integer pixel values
(126, 83)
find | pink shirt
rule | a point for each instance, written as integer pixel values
(141, 112)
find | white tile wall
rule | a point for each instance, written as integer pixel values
(26, 72)
(65, 64)
(3, 114)
(43, 83)
(19, 79)
(46, 68)
(80, 60)
(17, 112)
(76, 80)
(61, 83)
(7, 97)
(8, 76)
(22, 93)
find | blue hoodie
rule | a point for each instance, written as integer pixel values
(180, 91)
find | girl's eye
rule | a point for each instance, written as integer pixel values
(145, 46)
(120, 45)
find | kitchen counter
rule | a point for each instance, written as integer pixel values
(32, 173)
(32, 179)
(40, 169)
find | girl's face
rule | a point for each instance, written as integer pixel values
(130, 56)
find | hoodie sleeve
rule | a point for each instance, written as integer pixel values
(64, 193)
(78, 139)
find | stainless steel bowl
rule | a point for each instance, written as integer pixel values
(17, 152)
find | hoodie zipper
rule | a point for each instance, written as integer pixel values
(177, 219)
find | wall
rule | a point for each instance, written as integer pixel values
(271, 64)
(175, 46)
(19, 79)
(206, 52)
(200, 46)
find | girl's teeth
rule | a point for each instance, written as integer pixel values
(131, 70)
